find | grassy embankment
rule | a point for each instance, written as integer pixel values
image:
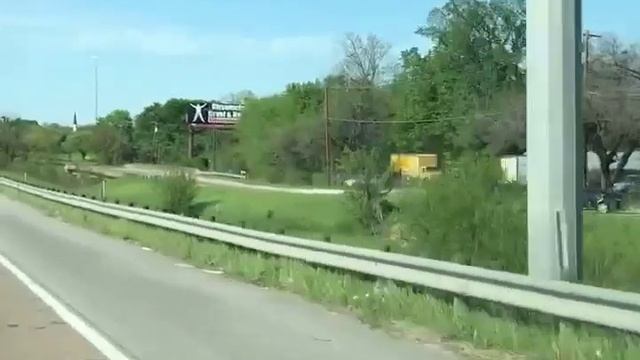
(378, 302)
(398, 308)
(611, 241)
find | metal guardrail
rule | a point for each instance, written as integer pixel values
(605, 307)
(222, 174)
(225, 179)
(146, 169)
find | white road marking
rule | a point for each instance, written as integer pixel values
(183, 265)
(146, 248)
(79, 325)
(214, 272)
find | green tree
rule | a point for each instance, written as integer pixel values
(11, 139)
(112, 138)
(368, 193)
(478, 51)
(170, 142)
(42, 140)
(281, 137)
(239, 96)
(467, 216)
(78, 142)
(145, 135)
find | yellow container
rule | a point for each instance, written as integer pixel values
(415, 165)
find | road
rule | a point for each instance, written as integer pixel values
(149, 308)
(203, 178)
(30, 330)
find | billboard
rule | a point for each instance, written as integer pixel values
(214, 114)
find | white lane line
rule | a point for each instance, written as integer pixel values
(214, 272)
(90, 334)
(183, 265)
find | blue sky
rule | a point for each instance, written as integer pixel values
(154, 50)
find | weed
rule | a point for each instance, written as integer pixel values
(379, 302)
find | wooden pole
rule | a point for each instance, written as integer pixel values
(214, 149)
(103, 192)
(189, 137)
(327, 138)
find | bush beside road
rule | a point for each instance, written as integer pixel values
(465, 217)
(475, 328)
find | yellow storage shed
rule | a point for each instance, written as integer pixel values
(421, 166)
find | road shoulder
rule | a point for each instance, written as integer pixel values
(31, 330)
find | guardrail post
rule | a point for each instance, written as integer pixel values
(103, 190)
(553, 80)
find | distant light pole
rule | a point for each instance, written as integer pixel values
(95, 74)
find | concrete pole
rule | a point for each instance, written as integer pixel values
(553, 74)
(581, 146)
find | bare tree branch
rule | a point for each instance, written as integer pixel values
(364, 58)
(612, 115)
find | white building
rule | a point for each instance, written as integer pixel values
(515, 167)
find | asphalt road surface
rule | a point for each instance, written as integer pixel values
(30, 330)
(147, 307)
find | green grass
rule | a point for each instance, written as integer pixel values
(310, 216)
(611, 246)
(612, 250)
(398, 308)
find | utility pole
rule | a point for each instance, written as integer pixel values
(554, 138)
(327, 139)
(189, 137)
(587, 36)
(214, 147)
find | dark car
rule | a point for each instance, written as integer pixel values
(603, 202)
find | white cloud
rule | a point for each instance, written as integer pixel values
(180, 42)
(94, 35)
(152, 41)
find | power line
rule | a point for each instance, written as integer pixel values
(614, 94)
(425, 121)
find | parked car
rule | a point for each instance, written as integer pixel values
(603, 202)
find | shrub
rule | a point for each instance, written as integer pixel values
(179, 189)
(200, 163)
(367, 196)
(4, 160)
(466, 215)
(319, 179)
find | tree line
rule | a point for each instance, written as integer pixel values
(466, 93)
